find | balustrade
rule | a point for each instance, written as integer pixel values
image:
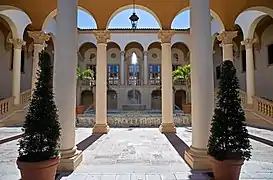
(263, 106)
(6, 106)
(25, 97)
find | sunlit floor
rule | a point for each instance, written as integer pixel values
(139, 154)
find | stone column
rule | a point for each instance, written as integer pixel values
(39, 38)
(16, 71)
(202, 83)
(65, 83)
(167, 125)
(122, 59)
(101, 83)
(226, 38)
(145, 67)
(250, 71)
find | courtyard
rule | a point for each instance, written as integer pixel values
(139, 154)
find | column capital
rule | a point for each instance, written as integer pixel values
(226, 37)
(248, 43)
(102, 36)
(165, 36)
(39, 37)
(17, 43)
(122, 53)
(145, 53)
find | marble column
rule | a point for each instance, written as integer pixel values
(101, 83)
(145, 67)
(39, 38)
(16, 71)
(226, 38)
(122, 74)
(167, 125)
(250, 69)
(201, 84)
(65, 83)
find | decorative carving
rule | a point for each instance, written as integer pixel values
(248, 43)
(165, 35)
(8, 45)
(102, 36)
(154, 55)
(227, 37)
(145, 53)
(113, 55)
(17, 43)
(39, 37)
(122, 53)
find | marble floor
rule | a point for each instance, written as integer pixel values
(140, 154)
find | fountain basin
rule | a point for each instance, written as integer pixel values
(133, 107)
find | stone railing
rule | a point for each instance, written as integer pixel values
(263, 107)
(25, 97)
(243, 97)
(6, 106)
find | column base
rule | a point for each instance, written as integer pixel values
(197, 159)
(101, 129)
(167, 128)
(70, 163)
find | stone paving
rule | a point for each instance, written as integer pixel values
(139, 154)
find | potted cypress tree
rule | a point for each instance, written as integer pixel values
(38, 148)
(229, 144)
(184, 73)
(87, 76)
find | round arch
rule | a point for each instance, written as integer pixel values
(130, 7)
(53, 14)
(85, 46)
(112, 44)
(250, 18)
(213, 14)
(17, 19)
(155, 44)
(134, 44)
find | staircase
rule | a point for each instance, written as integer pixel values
(11, 114)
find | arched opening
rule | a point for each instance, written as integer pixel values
(134, 71)
(154, 62)
(87, 99)
(85, 21)
(113, 66)
(134, 97)
(217, 59)
(112, 100)
(87, 57)
(120, 18)
(156, 102)
(182, 20)
(180, 98)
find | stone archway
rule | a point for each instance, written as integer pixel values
(112, 100)
(156, 102)
(87, 99)
(180, 98)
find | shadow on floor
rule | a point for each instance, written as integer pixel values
(180, 146)
(83, 145)
(262, 140)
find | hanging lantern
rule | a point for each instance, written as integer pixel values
(134, 18)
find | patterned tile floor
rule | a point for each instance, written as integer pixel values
(139, 154)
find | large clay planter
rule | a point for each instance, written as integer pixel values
(45, 170)
(80, 109)
(227, 169)
(186, 108)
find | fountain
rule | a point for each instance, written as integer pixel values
(134, 100)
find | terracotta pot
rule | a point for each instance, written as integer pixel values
(45, 170)
(186, 108)
(80, 109)
(227, 169)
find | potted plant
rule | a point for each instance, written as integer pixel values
(228, 145)
(183, 73)
(86, 75)
(38, 147)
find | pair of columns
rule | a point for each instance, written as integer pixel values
(39, 38)
(226, 38)
(122, 67)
